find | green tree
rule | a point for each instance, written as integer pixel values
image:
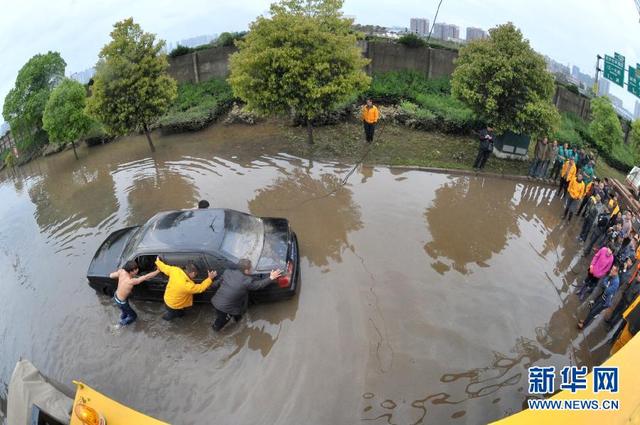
(303, 59)
(605, 126)
(65, 119)
(635, 135)
(505, 82)
(24, 105)
(131, 87)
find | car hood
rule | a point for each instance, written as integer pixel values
(107, 257)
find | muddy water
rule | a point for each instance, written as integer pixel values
(424, 297)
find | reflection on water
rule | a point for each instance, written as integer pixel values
(382, 329)
(322, 222)
(469, 221)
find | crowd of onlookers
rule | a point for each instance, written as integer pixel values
(609, 234)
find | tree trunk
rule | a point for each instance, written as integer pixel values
(148, 134)
(309, 131)
(74, 150)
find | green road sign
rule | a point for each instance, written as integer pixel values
(633, 86)
(614, 69)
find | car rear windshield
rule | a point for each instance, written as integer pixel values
(243, 236)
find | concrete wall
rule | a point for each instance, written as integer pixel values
(214, 63)
(201, 65)
(387, 57)
(568, 101)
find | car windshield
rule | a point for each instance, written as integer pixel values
(133, 242)
(243, 236)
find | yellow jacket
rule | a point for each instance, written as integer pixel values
(370, 115)
(180, 289)
(568, 173)
(614, 207)
(576, 188)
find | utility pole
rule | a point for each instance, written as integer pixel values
(595, 85)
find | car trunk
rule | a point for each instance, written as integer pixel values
(107, 257)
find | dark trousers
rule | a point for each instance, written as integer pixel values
(223, 318)
(369, 129)
(127, 314)
(583, 205)
(172, 313)
(562, 190)
(586, 228)
(616, 315)
(570, 207)
(595, 310)
(589, 283)
(555, 171)
(481, 158)
(596, 237)
(534, 167)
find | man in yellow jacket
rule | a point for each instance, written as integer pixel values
(178, 294)
(575, 192)
(370, 116)
(569, 171)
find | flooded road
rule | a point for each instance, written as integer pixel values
(423, 298)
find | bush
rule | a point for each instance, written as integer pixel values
(453, 116)
(567, 131)
(229, 38)
(183, 50)
(412, 40)
(395, 86)
(196, 106)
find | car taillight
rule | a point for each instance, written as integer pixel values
(285, 279)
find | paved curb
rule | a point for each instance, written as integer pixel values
(455, 171)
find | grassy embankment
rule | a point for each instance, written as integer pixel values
(423, 125)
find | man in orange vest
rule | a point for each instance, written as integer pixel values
(370, 116)
(575, 193)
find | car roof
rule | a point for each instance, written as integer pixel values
(200, 230)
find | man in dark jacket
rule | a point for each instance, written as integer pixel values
(485, 148)
(539, 156)
(232, 297)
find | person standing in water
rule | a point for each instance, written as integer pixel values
(370, 116)
(126, 281)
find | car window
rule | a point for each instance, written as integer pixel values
(181, 260)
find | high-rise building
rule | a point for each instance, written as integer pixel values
(615, 100)
(575, 71)
(444, 31)
(475, 33)
(603, 86)
(636, 112)
(419, 26)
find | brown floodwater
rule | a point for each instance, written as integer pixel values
(424, 297)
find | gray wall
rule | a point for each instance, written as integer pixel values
(567, 101)
(201, 65)
(214, 63)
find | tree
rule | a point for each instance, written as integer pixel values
(635, 134)
(605, 126)
(131, 87)
(505, 82)
(24, 105)
(64, 116)
(303, 59)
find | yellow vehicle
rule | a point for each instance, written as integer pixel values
(32, 400)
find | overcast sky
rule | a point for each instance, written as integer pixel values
(570, 31)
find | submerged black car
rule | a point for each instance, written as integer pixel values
(213, 239)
